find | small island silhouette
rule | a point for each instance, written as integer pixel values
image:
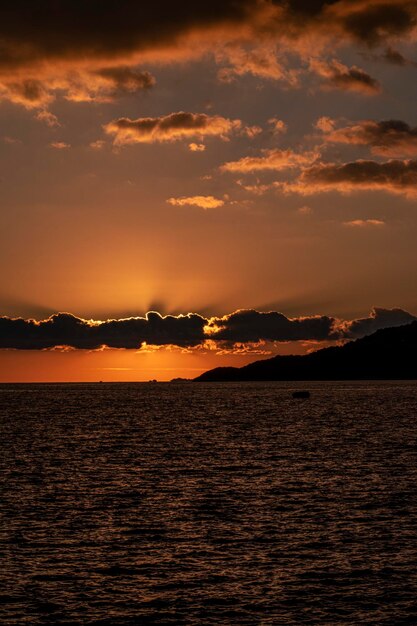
(388, 354)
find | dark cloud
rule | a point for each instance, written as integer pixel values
(369, 22)
(80, 86)
(394, 176)
(354, 79)
(374, 22)
(124, 79)
(89, 51)
(379, 318)
(32, 32)
(170, 127)
(390, 55)
(311, 8)
(392, 138)
(30, 93)
(64, 329)
(393, 56)
(336, 75)
(74, 29)
(103, 85)
(253, 326)
(191, 330)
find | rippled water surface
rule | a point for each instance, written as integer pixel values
(209, 504)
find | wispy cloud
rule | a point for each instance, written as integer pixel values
(390, 138)
(364, 223)
(336, 75)
(204, 202)
(172, 127)
(196, 147)
(271, 160)
(60, 145)
(394, 176)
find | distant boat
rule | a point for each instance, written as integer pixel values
(301, 394)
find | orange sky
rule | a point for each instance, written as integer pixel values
(205, 158)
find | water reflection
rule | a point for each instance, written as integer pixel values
(209, 504)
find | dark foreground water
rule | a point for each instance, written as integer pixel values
(209, 504)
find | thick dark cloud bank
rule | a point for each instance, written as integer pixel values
(243, 326)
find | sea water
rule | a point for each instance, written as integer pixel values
(209, 504)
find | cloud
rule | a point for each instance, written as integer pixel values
(241, 328)
(87, 52)
(278, 126)
(251, 131)
(374, 22)
(258, 188)
(261, 62)
(394, 176)
(105, 84)
(88, 32)
(60, 145)
(55, 43)
(339, 76)
(378, 318)
(80, 85)
(11, 140)
(325, 124)
(170, 127)
(48, 118)
(79, 31)
(64, 329)
(98, 144)
(271, 160)
(396, 58)
(364, 223)
(125, 79)
(305, 210)
(390, 138)
(390, 55)
(196, 147)
(204, 202)
(29, 93)
(253, 326)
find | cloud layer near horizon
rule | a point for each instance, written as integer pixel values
(243, 327)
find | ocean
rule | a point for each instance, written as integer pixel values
(209, 504)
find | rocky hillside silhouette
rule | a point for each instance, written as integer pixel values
(388, 354)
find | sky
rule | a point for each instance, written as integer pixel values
(191, 185)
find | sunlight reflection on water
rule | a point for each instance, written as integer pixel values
(209, 504)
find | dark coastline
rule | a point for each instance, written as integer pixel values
(388, 354)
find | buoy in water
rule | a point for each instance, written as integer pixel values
(301, 394)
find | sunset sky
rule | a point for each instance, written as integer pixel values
(246, 170)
